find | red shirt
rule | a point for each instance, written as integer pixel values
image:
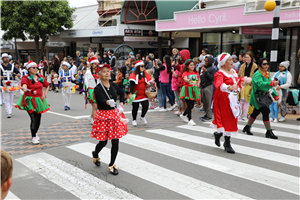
(193, 76)
(37, 86)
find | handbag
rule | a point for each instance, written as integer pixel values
(263, 99)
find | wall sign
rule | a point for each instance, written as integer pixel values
(57, 44)
(257, 31)
(107, 40)
(150, 33)
(132, 32)
(86, 44)
(140, 39)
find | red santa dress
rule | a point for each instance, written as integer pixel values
(140, 86)
(224, 120)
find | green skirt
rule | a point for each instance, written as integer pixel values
(33, 104)
(91, 96)
(190, 93)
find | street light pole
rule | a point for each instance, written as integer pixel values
(16, 49)
(275, 37)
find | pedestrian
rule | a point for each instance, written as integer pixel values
(78, 58)
(106, 59)
(55, 82)
(107, 123)
(185, 55)
(139, 79)
(6, 173)
(177, 83)
(275, 105)
(34, 100)
(285, 81)
(261, 84)
(244, 97)
(236, 63)
(151, 88)
(8, 80)
(66, 77)
(126, 85)
(247, 69)
(204, 53)
(149, 62)
(207, 78)
(119, 80)
(164, 79)
(56, 63)
(157, 63)
(175, 53)
(190, 90)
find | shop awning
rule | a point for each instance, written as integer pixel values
(86, 17)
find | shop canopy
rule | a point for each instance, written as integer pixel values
(147, 12)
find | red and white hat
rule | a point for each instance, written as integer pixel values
(105, 65)
(138, 63)
(222, 58)
(93, 60)
(30, 64)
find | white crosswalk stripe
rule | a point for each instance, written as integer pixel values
(278, 125)
(162, 142)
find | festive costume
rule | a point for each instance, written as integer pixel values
(9, 85)
(190, 91)
(67, 86)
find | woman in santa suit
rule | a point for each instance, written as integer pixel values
(225, 121)
(34, 100)
(139, 79)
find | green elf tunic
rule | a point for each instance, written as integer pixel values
(263, 83)
(32, 100)
(190, 91)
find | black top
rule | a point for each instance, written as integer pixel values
(248, 69)
(113, 93)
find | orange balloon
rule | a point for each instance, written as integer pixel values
(270, 5)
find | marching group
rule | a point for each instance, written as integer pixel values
(225, 87)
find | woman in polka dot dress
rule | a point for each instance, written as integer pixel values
(108, 124)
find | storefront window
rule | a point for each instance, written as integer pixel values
(56, 50)
(212, 41)
(85, 50)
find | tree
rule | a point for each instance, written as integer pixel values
(35, 20)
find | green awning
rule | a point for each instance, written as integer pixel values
(165, 9)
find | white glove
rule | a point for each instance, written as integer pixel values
(112, 103)
(121, 109)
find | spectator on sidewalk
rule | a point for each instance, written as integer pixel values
(149, 62)
(241, 60)
(6, 173)
(78, 57)
(236, 63)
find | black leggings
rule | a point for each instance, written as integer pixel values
(113, 152)
(35, 123)
(265, 113)
(135, 108)
(188, 110)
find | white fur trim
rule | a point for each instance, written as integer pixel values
(230, 75)
(139, 100)
(30, 65)
(222, 130)
(139, 63)
(94, 61)
(223, 61)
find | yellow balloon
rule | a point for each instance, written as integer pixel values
(270, 5)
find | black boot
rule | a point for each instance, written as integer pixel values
(227, 145)
(247, 130)
(270, 134)
(217, 138)
(96, 161)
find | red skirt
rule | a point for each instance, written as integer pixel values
(108, 125)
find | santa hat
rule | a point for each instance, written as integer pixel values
(138, 63)
(286, 64)
(105, 65)
(5, 55)
(93, 60)
(222, 58)
(30, 64)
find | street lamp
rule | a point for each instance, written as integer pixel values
(270, 6)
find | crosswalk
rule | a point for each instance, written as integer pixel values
(180, 162)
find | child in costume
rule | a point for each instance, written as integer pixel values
(151, 88)
(126, 85)
(274, 107)
(55, 82)
(34, 100)
(244, 97)
(66, 77)
(190, 91)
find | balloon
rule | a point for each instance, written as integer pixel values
(270, 5)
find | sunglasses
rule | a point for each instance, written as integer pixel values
(142, 66)
(265, 64)
(34, 67)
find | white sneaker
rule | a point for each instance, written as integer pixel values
(244, 118)
(37, 137)
(163, 110)
(35, 140)
(91, 120)
(275, 120)
(271, 120)
(157, 108)
(172, 108)
(143, 120)
(134, 123)
(281, 119)
(184, 118)
(176, 105)
(192, 123)
(9, 116)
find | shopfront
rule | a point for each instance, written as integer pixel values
(59, 48)
(233, 29)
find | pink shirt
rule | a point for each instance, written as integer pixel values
(164, 75)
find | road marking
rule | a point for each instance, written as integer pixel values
(235, 168)
(267, 155)
(72, 179)
(179, 183)
(11, 196)
(279, 125)
(277, 143)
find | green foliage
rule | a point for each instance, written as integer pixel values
(34, 19)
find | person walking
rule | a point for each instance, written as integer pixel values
(34, 100)
(157, 64)
(261, 84)
(56, 64)
(108, 124)
(247, 69)
(285, 81)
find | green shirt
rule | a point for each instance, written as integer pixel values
(126, 84)
(259, 82)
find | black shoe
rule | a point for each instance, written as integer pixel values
(114, 169)
(270, 134)
(298, 119)
(227, 145)
(96, 161)
(246, 129)
(217, 138)
(80, 92)
(204, 119)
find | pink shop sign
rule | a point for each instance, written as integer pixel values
(223, 18)
(257, 31)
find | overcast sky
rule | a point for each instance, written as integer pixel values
(81, 3)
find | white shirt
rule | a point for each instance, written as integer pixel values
(74, 69)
